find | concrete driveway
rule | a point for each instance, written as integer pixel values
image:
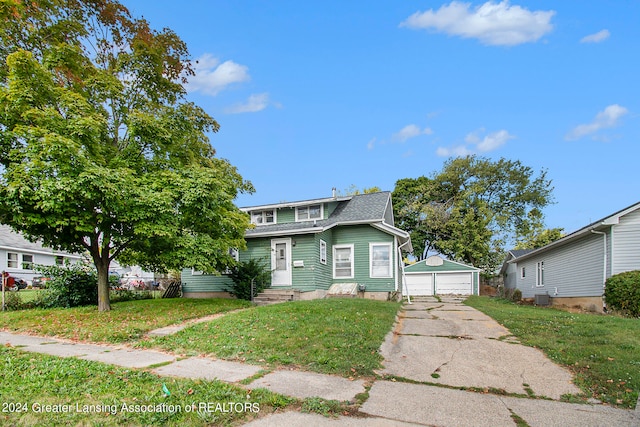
(452, 344)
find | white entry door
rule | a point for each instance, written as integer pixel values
(281, 262)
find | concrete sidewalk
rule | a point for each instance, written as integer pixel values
(446, 344)
(297, 384)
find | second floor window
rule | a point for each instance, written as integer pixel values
(307, 213)
(263, 217)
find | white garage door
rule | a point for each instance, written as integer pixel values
(420, 284)
(454, 283)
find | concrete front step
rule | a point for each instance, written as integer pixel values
(274, 296)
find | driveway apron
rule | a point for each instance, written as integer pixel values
(445, 342)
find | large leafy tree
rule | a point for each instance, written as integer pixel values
(99, 150)
(540, 238)
(472, 208)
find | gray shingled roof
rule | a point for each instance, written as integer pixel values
(11, 239)
(362, 208)
(519, 252)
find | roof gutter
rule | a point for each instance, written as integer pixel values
(40, 252)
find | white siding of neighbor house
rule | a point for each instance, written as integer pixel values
(573, 269)
(626, 243)
(511, 276)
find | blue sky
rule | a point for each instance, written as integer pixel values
(312, 95)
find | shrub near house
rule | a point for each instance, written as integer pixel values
(622, 292)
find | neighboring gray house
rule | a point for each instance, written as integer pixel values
(18, 256)
(509, 270)
(572, 270)
(312, 245)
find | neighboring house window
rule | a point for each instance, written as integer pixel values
(12, 260)
(343, 261)
(59, 261)
(27, 262)
(323, 252)
(380, 259)
(540, 273)
(263, 217)
(522, 273)
(307, 213)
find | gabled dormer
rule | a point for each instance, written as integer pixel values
(293, 212)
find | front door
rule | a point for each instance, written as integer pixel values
(281, 262)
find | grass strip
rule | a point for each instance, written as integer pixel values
(127, 321)
(334, 336)
(603, 351)
(39, 389)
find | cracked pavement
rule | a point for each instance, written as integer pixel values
(452, 344)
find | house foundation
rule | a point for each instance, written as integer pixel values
(590, 304)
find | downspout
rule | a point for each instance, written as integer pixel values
(402, 275)
(604, 267)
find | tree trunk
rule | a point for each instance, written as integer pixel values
(104, 304)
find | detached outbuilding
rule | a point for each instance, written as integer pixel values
(439, 276)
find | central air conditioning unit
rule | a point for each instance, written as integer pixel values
(542, 299)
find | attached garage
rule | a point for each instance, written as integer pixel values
(438, 276)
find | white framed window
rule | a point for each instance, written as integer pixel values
(27, 262)
(12, 260)
(523, 273)
(323, 252)
(235, 254)
(308, 213)
(263, 217)
(343, 262)
(59, 260)
(540, 273)
(380, 259)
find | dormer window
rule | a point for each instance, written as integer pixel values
(308, 213)
(263, 217)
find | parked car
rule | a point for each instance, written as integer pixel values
(40, 281)
(21, 283)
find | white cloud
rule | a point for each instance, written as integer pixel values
(212, 76)
(459, 150)
(475, 143)
(494, 141)
(410, 131)
(491, 23)
(607, 118)
(597, 37)
(255, 103)
(371, 143)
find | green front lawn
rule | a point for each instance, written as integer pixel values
(335, 336)
(603, 351)
(127, 321)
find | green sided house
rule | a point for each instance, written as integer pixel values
(321, 246)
